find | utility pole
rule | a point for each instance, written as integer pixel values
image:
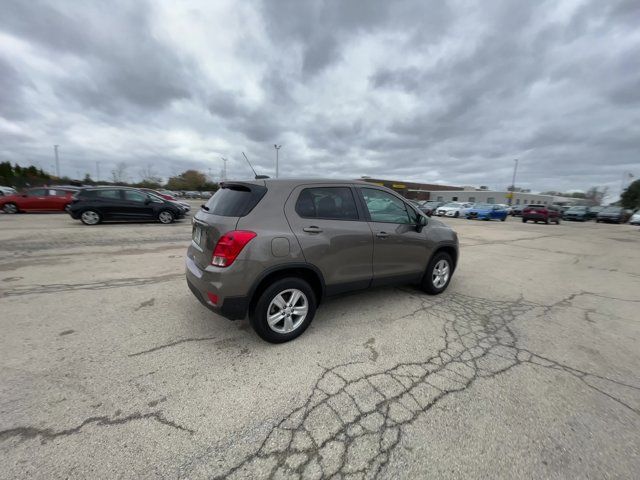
(55, 149)
(277, 147)
(97, 172)
(224, 168)
(513, 182)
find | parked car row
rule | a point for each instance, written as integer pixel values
(92, 205)
(528, 212)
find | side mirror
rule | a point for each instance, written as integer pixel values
(147, 200)
(422, 222)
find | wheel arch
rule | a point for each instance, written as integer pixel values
(306, 271)
(450, 250)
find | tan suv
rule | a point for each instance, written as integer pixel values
(273, 249)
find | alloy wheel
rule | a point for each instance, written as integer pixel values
(287, 311)
(165, 217)
(10, 208)
(440, 274)
(90, 217)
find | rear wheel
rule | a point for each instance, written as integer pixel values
(90, 217)
(457, 214)
(438, 275)
(10, 208)
(284, 310)
(165, 216)
(524, 220)
(503, 218)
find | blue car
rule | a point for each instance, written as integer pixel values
(487, 211)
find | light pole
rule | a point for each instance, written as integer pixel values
(277, 147)
(513, 182)
(55, 149)
(224, 168)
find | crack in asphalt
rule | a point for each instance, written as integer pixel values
(352, 420)
(172, 344)
(47, 434)
(103, 285)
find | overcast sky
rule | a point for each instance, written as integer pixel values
(443, 92)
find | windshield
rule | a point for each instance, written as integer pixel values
(577, 209)
(612, 210)
(484, 205)
(452, 204)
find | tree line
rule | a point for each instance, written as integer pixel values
(22, 177)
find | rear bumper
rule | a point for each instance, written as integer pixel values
(233, 307)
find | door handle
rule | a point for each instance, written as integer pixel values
(312, 229)
(382, 234)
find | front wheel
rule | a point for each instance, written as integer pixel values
(165, 217)
(438, 274)
(524, 220)
(284, 310)
(457, 214)
(503, 219)
(10, 208)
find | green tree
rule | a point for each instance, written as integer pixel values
(631, 196)
(188, 180)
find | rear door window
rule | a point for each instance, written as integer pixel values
(133, 196)
(108, 194)
(235, 200)
(38, 192)
(331, 203)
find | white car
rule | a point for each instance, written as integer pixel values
(6, 191)
(635, 219)
(453, 209)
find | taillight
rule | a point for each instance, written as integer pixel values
(229, 247)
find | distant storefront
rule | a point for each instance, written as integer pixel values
(491, 196)
(412, 190)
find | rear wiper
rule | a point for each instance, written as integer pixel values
(204, 207)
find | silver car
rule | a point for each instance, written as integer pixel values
(274, 249)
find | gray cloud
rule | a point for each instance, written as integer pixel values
(432, 91)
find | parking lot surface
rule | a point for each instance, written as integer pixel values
(528, 366)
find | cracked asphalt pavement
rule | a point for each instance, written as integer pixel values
(527, 367)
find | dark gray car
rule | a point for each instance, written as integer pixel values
(273, 249)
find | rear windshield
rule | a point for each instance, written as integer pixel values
(535, 207)
(235, 200)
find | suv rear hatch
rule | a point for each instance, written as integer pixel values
(220, 215)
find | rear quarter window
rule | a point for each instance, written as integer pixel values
(235, 200)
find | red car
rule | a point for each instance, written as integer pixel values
(41, 199)
(541, 213)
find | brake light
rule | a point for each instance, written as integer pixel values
(229, 247)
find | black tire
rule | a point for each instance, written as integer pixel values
(524, 220)
(90, 217)
(557, 221)
(503, 219)
(428, 280)
(258, 316)
(457, 214)
(10, 208)
(166, 217)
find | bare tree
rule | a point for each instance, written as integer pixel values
(595, 195)
(119, 174)
(148, 173)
